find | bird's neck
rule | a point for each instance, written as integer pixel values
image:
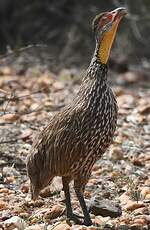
(95, 80)
(96, 71)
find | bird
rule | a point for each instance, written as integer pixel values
(78, 135)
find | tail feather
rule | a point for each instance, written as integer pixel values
(34, 192)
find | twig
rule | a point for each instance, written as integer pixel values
(9, 141)
(22, 113)
(17, 98)
(7, 103)
(5, 123)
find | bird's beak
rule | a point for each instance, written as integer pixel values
(118, 14)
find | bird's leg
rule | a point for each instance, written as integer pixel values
(70, 214)
(79, 185)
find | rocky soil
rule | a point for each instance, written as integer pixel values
(118, 193)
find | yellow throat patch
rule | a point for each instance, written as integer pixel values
(106, 43)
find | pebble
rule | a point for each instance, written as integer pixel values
(25, 188)
(10, 171)
(132, 205)
(95, 168)
(24, 215)
(101, 220)
(140, 211)
(104, 207)
(131, 77)
(38, 203)
(14, 222)
(46, 192)
(2, 204)
(4, 190)
(34, 220)
(56, 185)
(10, 179)
(57, 85)
(61, 226)
(136, 227)
(116, 154)
(144, 192)
(26, 134)
(145, 109)
(124, 198)
(147, 197)
(10, 117)
(140, 221)
(137, 162)
(49, 227)
(35, 227)
(55, 211)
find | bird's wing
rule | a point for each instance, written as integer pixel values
(60, 140)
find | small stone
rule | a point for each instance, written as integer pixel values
(147, 182)
(58, 85)
(55, 211)
(118, 91)
(10, 171)
(46, 192)
(38, 203)
(144, 192)
(95, 167)
(14, 222)
(26, 134)
(101, 220)
(131, 77)
(6, 70)
(25, 188)
(147, 197)
(10, 179)
(50, 227)
(135, 227)
(61, 226)
(104, 207)
(44, 82)
(116, 153)
(137, 162)
(140, 211)
(132, 205)
(92, 228)
(140, 221)
(123, 227)
(124, 198)
(92, 181)
(24, 214)
(56, 184)
(4, 190)
(34, 220)
(35, 227)
(10, 117)
(145, 109)
(2, 204)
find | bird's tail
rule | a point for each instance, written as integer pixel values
(34, 192)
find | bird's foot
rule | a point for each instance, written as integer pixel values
(87, 222)
(75, 218)
(78, 216)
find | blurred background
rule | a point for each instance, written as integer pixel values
(36, 81)
(65, 26)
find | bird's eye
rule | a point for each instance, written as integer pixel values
(104, 21)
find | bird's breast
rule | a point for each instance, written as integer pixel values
(98, 122)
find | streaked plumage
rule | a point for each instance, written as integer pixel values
(76, 137)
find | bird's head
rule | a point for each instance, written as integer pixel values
(105, 27)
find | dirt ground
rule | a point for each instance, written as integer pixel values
(27, 101)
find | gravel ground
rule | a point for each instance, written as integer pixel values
(118, 193)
